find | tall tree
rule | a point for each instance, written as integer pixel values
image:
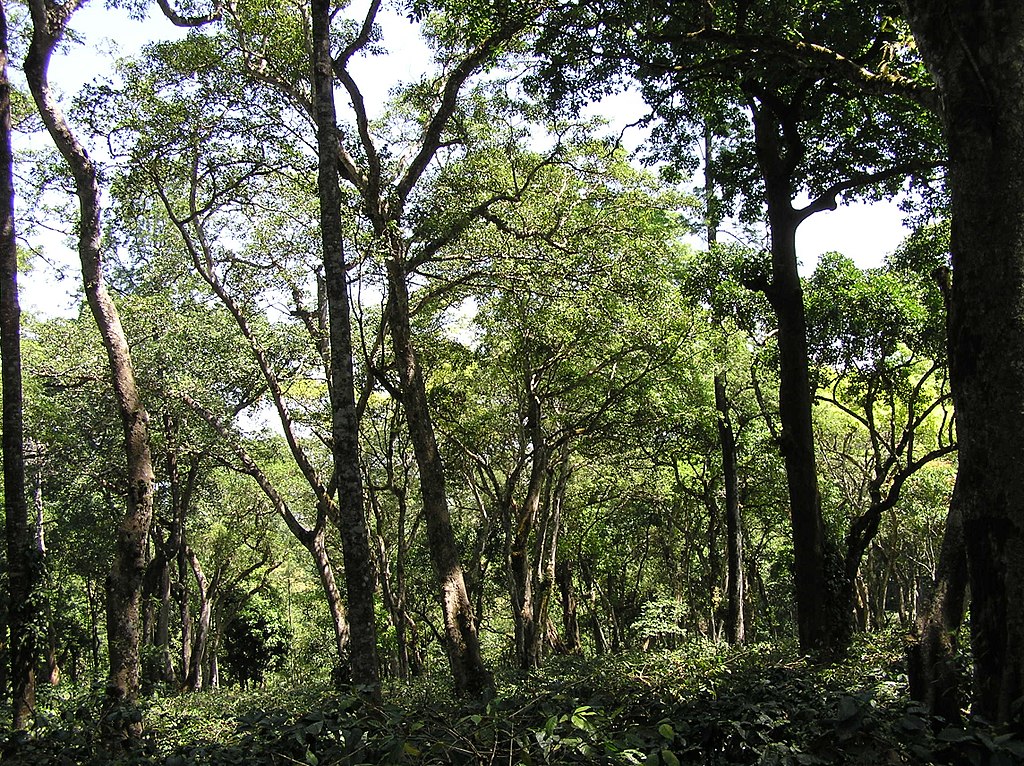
(360, 576)
(973, 51)
(775, 74)
(21, 568)
(386, 191)
(124, 584)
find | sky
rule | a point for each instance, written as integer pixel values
(864, 232)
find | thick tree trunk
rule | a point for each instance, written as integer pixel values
(932, 652)
(735, 587)
(360, 577)
(974, 51)
(21, 565)
(124, 583)
(461, 640)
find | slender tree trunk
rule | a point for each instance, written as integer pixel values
(735, 587)
(201, 641)
(545, 555)
(816, 626)
(360, 577)
(461, 640)
(714, 570)
(521, 580)
(974, 51)
(183, 597)
(124, 583)
(92, 595)
(570, 612)
(590, 583)
(316, 544)
(21, 565)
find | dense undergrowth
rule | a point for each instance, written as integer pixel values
(704, 704)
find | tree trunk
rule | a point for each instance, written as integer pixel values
(932, 653)
(360, 577)
(735, 587)
(974, 51)
(201, 642)
(545, 556)
(461, 640)
(95, 608)
(816, 627)
(713, 589)
(316, 543)
(22, 568)
(521, 580)
(590, 582)
(570, 613)
(183, 597)
(124, 583)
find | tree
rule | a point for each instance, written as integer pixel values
(572, 317)
(810, 132)
(972, 52)
(22, 569)
(184, 149)
(359, 572)
(124, 585)
(877, 343)
(256, 640)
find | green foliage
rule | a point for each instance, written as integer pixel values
(256, 640)
(701, 704)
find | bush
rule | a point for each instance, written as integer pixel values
(256, 641)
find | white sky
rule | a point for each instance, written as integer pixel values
(864, 232)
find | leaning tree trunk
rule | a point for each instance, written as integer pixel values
(974, 51)
(360, 577)
(461, 640)
(21, 568)
(124, 583)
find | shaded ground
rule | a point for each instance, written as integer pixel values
(705, 704)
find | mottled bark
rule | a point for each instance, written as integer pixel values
(360, 577)
(21, 556)
(124, 583)
(461, 640)
(975, 53)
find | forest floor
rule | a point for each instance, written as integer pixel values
(702, 704)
